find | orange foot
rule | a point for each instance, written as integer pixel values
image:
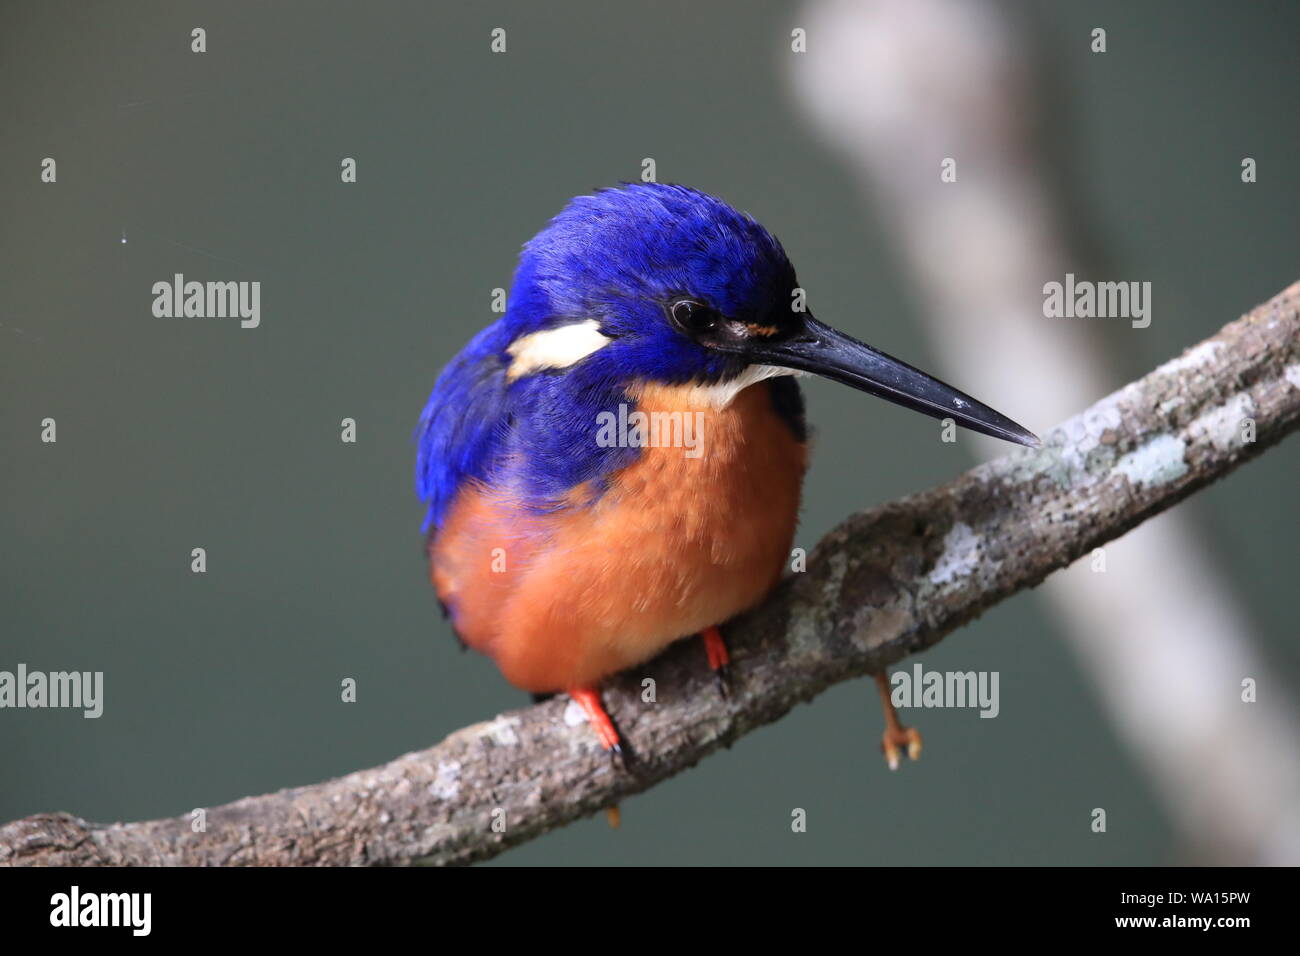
(589, 699)
(896, 736)
(719, 659)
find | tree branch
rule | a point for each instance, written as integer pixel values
(884, 584)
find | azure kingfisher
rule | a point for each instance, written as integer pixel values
(568, 553)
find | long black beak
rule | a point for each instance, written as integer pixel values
(822, 350)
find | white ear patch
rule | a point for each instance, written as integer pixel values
(554, 348)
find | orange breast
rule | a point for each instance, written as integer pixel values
(674, 545)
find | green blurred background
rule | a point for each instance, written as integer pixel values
(175, 434)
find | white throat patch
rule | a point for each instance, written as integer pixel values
(722, 394)
(554, 348)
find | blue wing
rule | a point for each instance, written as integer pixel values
(535, 435)
(464, 424)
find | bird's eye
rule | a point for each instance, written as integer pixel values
(693, 317)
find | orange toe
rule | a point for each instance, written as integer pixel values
(716, 648)
(589, 699)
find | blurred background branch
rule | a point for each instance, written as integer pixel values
(901, 86)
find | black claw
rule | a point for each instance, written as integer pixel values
(616, 759)
(720, 676)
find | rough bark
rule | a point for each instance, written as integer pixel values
(884, 584)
